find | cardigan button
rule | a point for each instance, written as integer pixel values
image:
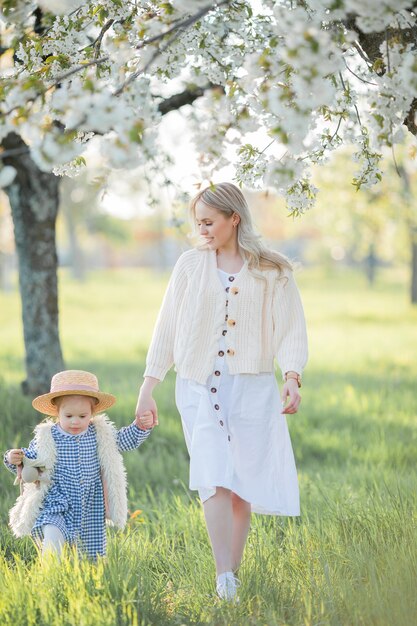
(231, 322)
(216, 406)
(217, 373)
(227, 289)
(230, 352)
(220, 353)
(213, 390)
(226, 317)
(224, 332)
(221, 422)
(231, 279)
(228, 437)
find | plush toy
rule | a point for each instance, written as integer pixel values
(30, 471)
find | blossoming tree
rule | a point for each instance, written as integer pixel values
(275, 86)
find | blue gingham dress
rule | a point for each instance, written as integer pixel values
(75, 500)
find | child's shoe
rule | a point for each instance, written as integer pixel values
(226, 586)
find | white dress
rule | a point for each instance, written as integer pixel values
(236, 435)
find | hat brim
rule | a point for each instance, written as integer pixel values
(45, 405)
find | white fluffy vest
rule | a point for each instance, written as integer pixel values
(24, 513)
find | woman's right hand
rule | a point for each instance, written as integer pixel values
(145, 399)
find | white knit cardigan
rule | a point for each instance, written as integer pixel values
(24, 513)
(265, 321)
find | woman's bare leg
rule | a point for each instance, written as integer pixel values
(218, 512)
(241, 524)
(228, 522)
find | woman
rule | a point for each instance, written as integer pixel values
(230, 308)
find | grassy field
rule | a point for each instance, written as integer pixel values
(350, 559)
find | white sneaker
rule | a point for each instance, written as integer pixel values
(226, 586)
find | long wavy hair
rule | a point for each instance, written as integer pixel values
(228, 199)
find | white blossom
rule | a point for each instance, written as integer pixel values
(59, 7)
(285, 83)
(7, 175)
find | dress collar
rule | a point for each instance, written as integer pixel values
(61, 431)
(239, 277)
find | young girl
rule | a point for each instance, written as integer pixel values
(82, 477)
(230, 308)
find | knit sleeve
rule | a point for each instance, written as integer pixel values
(290, 335)
(160, 357)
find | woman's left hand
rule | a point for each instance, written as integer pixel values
(290, 396)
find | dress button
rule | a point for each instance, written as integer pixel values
(221, 353)
(231, 279)
(221, 422)
(230, 352)
(231, 322)
(235, 290)
(213, 390)
(217, 373)
(216, 406)
(224, 332)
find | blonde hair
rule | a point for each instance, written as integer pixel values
(228, 199)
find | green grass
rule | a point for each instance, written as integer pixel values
(350, 559)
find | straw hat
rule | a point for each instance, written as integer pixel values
(73, 382)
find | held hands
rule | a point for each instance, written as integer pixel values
(145, 421)
(15, 456)
(291, 395)
(146, 404)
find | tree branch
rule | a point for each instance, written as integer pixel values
(175, 102)
(410, 120)
(177, 30)
(97, 43)
(361, 53)
(370, 44)
(5, 154)
(368, 82)
(188, 96)
(185, 23)
(144, 69)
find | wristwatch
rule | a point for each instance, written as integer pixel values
(293, 375)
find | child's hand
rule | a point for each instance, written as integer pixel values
(145, 421)
(15, 456)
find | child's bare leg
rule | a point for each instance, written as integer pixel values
(53, 540)
(241, 524)
(219, 521)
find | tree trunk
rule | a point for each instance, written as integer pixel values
(370, 265)
(414, 265)
(6, 268)
(76, 254)
(412, 228)
(34, 200)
